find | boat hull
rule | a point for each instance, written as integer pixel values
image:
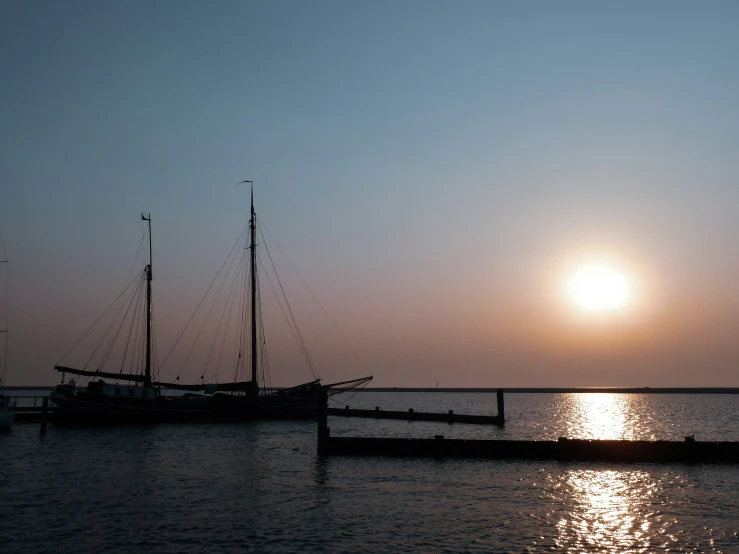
(81, 408)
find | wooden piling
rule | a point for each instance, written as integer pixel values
(44, 414)
(501, 406)
(324, 432)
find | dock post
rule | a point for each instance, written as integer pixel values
(501, 406)
(323, 430)
(439, 446)
(44, 414)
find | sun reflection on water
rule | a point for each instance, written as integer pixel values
(609, 511)
(602, 416)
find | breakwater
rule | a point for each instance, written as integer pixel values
(587, 450)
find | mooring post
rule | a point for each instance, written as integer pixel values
(501, 406)
(44, 413)
(439, 446)
(323, 430)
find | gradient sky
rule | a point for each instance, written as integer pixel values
(435, 171)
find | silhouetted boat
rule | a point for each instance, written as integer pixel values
(145, 400)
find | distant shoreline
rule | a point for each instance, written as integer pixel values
(529, 390)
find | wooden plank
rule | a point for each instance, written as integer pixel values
(412, 415)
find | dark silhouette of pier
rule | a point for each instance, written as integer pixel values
(412, 415)
(564, 449)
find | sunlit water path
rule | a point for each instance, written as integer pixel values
(260, 488)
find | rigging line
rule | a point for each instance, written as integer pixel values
(118, 332)
(207, 315)
(143, 325)
(110, 328)
(359, 389)
(2, 244)
(98, 319)
(140, 318)
(294, 326)
(5, 304)
(264, 356)
(290, 324)
(241, 280)
(5, 300)
(244, 320)
(4, 314)
(234, 288)
(138, 333)
(287, 303)
(5, 308)
(5, 358)
(142, 351)
(106, 355)
(138, 251)
(284, 314)
(266, 371)
(208, 378)
(302, 342)
(247, 322)
(239, 316)
(205, 320)
(228, 302)
(134, 320)
(313, 295)
(133, 332)
(156, 344)
(203, 298)
(259, 327)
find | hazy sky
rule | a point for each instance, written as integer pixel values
(435, 170)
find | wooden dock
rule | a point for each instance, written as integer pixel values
(30, 408)
(624, 451)
(559, 450)
(412, 415)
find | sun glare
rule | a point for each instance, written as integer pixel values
(598, 287)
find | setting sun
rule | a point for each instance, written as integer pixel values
(598, 287)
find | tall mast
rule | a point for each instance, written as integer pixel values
(253, 226)
(253, 389)
(147, 367)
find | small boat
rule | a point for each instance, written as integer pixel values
(145, 399)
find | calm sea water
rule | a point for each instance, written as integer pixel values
(259, 487)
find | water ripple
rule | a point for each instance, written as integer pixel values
(245, 488)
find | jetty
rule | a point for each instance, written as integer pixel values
(30, 408)
(412, 415)
(564, 449)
